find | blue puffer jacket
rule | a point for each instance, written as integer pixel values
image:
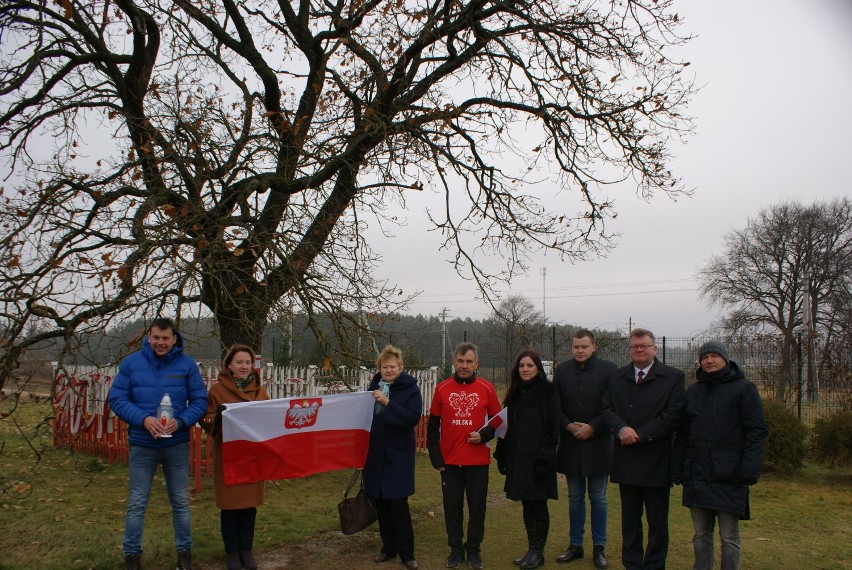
(143, 378)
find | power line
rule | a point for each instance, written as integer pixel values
(443, 298)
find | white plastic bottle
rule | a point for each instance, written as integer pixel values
(165, 412)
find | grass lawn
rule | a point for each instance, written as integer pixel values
(60, 510)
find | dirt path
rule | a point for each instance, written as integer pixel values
(328, 549)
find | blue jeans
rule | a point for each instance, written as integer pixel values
(577, 508)
(143, 465)
(703, 521)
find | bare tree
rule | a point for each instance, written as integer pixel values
(518, 325)
(788, 254)
(186, 157)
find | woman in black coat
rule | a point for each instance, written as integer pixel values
(389, 470)
(527, 453)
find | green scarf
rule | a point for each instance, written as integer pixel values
(243, 382)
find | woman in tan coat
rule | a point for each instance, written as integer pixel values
(238, 382)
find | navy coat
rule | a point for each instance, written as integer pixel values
(389, 470)
(652, 408)
(528, 453)
(581, 387)
(720, 442)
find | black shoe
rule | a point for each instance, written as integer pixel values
(535, 560)
(411, 565)
(234, 562)
(133, 562)
(521, 559)
(599, 556)
(184, 561)
(247, 560)
(383, 557)
(474, 560)
(455, 559)
(572, 553)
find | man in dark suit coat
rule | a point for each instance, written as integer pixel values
(585, 447)
(642, 408)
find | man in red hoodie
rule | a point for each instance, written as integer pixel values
(460, 407)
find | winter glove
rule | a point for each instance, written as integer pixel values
(500, 456)
(749, 480)
(217, 419)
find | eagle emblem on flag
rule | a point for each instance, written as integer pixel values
(302, 413)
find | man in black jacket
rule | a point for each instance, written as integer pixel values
(585, 447)
(718, 453)
(643, 408)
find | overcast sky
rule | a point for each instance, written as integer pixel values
(773, 122)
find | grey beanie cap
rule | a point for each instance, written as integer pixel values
(713, 347)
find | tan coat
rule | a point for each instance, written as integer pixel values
(225, 391)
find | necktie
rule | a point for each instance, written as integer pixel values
(640, 376)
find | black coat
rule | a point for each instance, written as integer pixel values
(389, 470)
(652, 408)
(527, 456)
(581, 388)
(720, 441)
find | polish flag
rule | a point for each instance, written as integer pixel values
(295, 437)
(500, 423)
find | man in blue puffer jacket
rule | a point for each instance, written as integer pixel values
(143, 378)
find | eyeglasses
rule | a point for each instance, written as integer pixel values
(642, 346)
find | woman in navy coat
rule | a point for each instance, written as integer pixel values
(389, 471)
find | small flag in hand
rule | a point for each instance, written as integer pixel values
(500, 423)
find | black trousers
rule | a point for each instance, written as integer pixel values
(536, 511)
(237, 528)
(537, 523)
(458, 481)
(655, 502)
(395, 527)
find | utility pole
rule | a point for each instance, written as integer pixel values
(444, 339)
(544, 294)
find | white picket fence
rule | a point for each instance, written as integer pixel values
(280, 382)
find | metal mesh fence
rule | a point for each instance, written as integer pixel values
(811, 392)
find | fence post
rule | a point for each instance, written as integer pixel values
(195, 434)
(553, 349)
(664, 349)
(799, 376)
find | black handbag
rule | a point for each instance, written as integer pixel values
(358, 512)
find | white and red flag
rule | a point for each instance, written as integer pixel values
(500, 423)
(295, 437)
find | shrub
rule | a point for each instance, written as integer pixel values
(785, 446)
(832, 439)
